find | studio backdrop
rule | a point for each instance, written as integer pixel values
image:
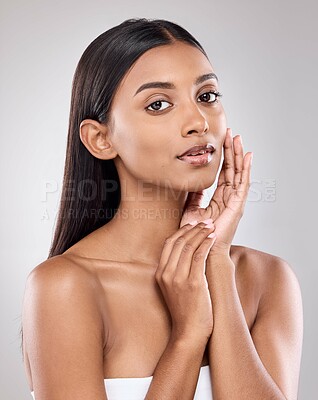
(265, 55)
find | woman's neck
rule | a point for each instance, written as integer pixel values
(139, 228)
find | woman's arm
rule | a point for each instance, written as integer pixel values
(262, 364)
(177, 372)
(180, 276)
(265, 363)
(63, 332)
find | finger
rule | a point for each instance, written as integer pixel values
(246, 173)
(238, 160)
(179, 263)
(228, 158)
(198, 265)
(182, 255)
(167, 247)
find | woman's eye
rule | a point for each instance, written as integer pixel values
(156, 106)
(210, 97)
(207, 97)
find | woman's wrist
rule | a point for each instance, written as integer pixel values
(189, 340)
(218, 256)
(219, 260)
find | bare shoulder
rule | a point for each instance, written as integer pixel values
(59, 267)
(259, 261)
(60, 302)
(59, 281)
(266, 270)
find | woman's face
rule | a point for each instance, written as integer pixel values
(154, 125)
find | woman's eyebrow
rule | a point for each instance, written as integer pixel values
(169, 85)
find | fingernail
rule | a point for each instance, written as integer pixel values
(251, 158)
(208, 221)
(211, 235)
(193, 222)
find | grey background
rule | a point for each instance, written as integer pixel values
(265, 54)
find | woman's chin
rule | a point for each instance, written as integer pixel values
(201, 183)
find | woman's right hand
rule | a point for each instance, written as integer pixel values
(182, 280)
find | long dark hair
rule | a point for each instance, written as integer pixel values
(86, 201)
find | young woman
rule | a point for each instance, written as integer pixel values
(143, 294)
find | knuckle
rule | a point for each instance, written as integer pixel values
(204, 230)
(158, 276)
(177, 282)
(198, 256)
(187, 247)
(168, 241)
(165, 278)
(193, 284)
(227, 164)
(180, 240)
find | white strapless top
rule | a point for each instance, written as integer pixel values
(137, 388)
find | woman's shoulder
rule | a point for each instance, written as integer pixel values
(249, 257)
(60, 302)
(262, 268)
(61, 277)
(62, 285)
(61, 269)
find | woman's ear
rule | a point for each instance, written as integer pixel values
(95, 137)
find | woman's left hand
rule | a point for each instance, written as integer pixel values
(227, 204)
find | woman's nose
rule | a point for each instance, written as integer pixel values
(195, 122)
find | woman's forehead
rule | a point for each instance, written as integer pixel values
(168, 63)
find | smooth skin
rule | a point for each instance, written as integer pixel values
(113, 280)
(182, 280)
(226, 206)
(262, 362)
(181, 277)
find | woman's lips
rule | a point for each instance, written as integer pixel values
(201, 159)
